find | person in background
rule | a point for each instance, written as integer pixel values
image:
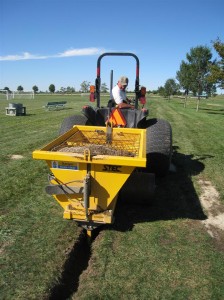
(119, 93)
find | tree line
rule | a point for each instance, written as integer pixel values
(197, 74)
(84, 88)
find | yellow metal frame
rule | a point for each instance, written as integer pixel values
(100, 176)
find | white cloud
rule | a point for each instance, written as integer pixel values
(67, 53)
(80, 52)
(23, 56)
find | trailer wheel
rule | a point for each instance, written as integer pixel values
(158, 146)
(69, 122)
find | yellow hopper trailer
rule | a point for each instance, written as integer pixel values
(89, 165)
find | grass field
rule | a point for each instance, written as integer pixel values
(166, 250)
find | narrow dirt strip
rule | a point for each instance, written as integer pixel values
(214, 210)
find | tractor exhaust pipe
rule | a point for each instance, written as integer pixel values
(111, 84)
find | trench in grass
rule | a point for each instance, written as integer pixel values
(75, 264)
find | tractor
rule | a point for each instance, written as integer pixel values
(106, 152)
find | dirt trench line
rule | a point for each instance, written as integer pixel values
(75, 264)
(214, 210)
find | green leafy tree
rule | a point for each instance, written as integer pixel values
(154, 92)
(184, 76)
(70, 90)
(217, 68)
(35, 89)
(7, 89)
(20, 88)
(104, 88)
(85, 86)
(52, 88)
(170, 87)
(161, 91)
(62, 90)
(193, 74)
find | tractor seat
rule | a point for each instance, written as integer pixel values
(111, 103)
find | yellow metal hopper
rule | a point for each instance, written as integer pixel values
(88, 167)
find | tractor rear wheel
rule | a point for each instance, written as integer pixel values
(69, 122)
(158, 146)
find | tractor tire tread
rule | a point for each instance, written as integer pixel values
(158, 146)
(69, 122)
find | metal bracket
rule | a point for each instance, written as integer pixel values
(86, 193)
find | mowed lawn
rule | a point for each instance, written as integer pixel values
(163, 250)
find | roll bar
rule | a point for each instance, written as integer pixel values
(98, 78)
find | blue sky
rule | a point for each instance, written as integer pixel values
(54, 41)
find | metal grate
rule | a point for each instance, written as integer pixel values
(121, 143)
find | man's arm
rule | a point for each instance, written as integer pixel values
(125, 105)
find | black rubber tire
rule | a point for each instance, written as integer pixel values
(158, 147)
(69, 122)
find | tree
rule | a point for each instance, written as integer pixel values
(161, 91)
(85, 87)
(184, 75)
(193, 74)
(217, 68)
(7, 89)
(19, 88)
(52, 88)
(104, 88)
(62, 90)
(170, 87)
(70, 90)
(155, 92)
(35, 89)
